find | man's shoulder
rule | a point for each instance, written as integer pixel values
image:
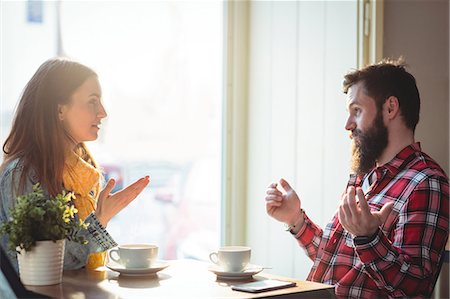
(427, 166)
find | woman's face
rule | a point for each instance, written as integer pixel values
(83, 114)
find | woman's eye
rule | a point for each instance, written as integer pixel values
(94, 104)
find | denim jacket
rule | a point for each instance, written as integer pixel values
(75, 255)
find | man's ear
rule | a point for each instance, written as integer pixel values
(391, 107)
(62, 112)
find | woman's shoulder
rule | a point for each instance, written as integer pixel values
(10, 167)
(12, 172)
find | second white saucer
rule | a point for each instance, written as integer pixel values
(247, 273)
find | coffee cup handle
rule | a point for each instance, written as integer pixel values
(213, 258)
(111, 256)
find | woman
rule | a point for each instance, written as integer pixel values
(59, 110)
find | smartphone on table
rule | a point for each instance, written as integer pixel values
(263, 286)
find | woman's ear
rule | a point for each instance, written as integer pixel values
(62, 112)
(392, 107)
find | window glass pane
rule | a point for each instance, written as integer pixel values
(160, 66)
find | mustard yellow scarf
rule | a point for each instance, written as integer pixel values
(82, 178)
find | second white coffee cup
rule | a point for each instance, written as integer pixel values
(231, 258)
(135, 255)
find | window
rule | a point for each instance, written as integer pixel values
(160, 66)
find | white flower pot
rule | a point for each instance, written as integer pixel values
(43, 264)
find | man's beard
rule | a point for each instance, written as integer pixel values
(368, 146)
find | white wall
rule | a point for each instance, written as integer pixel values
(298, 52)
(419, 30)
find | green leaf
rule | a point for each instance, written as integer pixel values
(36, 217)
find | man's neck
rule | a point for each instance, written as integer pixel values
(395, 145)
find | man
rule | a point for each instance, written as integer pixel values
(392, 223)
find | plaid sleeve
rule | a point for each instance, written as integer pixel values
(309, 237)
(408, 264)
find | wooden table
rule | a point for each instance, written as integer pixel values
(182, 279)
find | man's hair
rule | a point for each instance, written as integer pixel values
(389, 78)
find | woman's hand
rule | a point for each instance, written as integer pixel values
(284, 206)
(108, 205)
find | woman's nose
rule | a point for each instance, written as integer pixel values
(102, 112)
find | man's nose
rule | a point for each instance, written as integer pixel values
(350, 125)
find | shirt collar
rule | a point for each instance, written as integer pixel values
(402, 158)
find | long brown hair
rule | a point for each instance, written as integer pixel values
(37, 135)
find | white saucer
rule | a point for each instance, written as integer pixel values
(152, 270)
(247, 273)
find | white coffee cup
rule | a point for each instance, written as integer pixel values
(231, 258)
(135, 255)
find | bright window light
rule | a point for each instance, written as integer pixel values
(160, 65)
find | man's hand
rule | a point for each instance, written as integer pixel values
(357, 218)
(283, 206)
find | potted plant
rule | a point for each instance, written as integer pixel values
(37, 229)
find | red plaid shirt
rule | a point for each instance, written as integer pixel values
(403, 259)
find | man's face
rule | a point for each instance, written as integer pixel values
(368, 133)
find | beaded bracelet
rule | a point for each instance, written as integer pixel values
(289, 228)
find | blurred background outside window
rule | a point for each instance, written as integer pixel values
(160, 64)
